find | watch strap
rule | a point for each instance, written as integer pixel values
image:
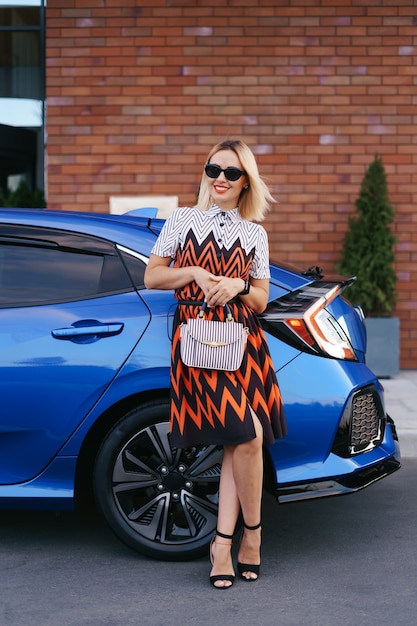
(245, 289)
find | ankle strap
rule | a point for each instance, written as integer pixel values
(252, 527)
(223, 535)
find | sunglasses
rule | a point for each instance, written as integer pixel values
(230, 173)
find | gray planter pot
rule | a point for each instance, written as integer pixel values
(383, 346)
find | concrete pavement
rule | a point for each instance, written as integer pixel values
(401, 405)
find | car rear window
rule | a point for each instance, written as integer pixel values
(40, 266)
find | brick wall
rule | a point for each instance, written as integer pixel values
(137, 95)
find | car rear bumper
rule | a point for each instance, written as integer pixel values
(341, 484)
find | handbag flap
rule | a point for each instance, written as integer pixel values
(214, 332)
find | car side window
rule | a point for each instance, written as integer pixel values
(45, 266)
(136, 268)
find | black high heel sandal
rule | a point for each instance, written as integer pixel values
(226, 577)
(248, 567)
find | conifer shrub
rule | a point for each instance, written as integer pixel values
(368, 247)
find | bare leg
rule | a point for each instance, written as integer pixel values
(240, 488)
(227, 518)
(248, 475)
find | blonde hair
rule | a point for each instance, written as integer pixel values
(254, 201)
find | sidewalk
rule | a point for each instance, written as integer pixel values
(401, 405)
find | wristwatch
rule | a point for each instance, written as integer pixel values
(245, 289)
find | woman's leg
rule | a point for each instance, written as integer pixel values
(227, 518)
(248, 476)
(241, 482)
(229, 505)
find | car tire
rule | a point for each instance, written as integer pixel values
(159, 500)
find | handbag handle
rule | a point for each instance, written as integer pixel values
(229, 316)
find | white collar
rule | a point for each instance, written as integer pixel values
(232, 213)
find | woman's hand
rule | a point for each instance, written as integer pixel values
(160, 275)
(221, 289)
(204, 279)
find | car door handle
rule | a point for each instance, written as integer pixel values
(92, 329)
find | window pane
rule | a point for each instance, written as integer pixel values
(19, 16)
(34, 272)
(136, 269)
(20, 65)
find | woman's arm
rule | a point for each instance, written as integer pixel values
(217, 289)
(159, 275)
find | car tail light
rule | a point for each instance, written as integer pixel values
(302, 318)
(319, 327)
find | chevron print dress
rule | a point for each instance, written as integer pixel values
(211, 406)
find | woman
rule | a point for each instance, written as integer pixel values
(220, 255)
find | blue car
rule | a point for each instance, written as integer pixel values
(84, 385)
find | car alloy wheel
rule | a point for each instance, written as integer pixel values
(161, 501)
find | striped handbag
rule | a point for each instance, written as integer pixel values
(208, 344)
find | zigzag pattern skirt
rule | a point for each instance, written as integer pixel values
(214, 407)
